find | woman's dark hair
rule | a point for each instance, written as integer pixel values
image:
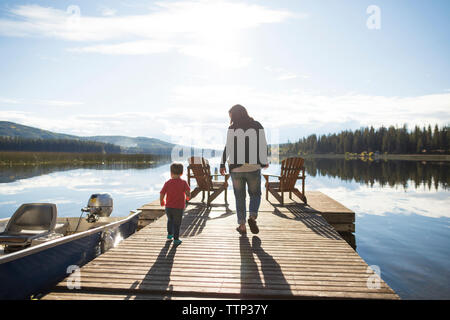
(239, 115)
(176, 168)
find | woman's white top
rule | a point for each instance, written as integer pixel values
(247, 167)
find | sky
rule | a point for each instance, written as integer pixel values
(172, 69)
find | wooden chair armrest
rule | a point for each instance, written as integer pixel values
(266, 176)
(226, 176)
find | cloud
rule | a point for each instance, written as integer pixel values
(74, 181)
(107, 12)
(8, 101)
(295, 114)
(287, 76)
(41, 102)
(131, 124)
(283, 74)
(59, 103)
(3, 203)
(128, 48)
(57, 201)
(203, 29)
(198, 114)
(14, 116)
(383, 201)
(295, 108)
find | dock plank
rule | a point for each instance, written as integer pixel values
(297, 254)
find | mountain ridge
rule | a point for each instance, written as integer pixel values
(127, 144)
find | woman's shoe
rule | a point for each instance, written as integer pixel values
(253, 226)
(169, 236)
(177, 242)
(238, 229)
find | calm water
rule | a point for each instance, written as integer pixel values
(402, 208)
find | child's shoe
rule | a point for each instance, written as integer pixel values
(169, 236)
(177, 242)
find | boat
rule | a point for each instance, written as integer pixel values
(39, 249)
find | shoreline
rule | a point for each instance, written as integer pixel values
(408, 157)
(25, 158)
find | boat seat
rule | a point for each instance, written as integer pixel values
(30, 221)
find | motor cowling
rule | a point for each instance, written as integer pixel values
(99, 205)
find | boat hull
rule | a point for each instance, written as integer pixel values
(36, 270)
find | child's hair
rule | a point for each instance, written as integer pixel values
(176, 168)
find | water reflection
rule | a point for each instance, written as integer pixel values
(17, 172)
(384, 173)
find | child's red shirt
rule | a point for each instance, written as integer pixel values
(175, 190)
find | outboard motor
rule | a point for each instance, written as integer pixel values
(99, 205)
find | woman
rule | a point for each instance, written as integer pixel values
(246, 152)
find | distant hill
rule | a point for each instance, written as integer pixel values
(127, 144)
(11, 129)
(136, 145)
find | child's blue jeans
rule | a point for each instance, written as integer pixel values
(174, 217)
(253, 181)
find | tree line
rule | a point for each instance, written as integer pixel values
(414, 174)
(391, 140)
(56, 145)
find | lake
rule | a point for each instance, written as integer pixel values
(402, 207)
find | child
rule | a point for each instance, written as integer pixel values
(175, 189)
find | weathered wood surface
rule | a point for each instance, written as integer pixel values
(340, 217)
(150, 213)
(297, 254)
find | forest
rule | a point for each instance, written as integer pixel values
(56, 145)
(392, 140)
(408, 174)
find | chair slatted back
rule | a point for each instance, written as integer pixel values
(201, 172)
(290, 169)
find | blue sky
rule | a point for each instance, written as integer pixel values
(172, 69)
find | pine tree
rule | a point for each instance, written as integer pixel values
(391, 140)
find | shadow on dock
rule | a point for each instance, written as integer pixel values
(251, 282)
(158, 277)
(195, 218)
(307, 215)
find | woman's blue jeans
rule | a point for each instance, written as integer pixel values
(253, 181)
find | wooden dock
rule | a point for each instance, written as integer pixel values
(297, 254)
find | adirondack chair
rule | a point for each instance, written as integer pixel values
(290, 170)
(199, 169)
